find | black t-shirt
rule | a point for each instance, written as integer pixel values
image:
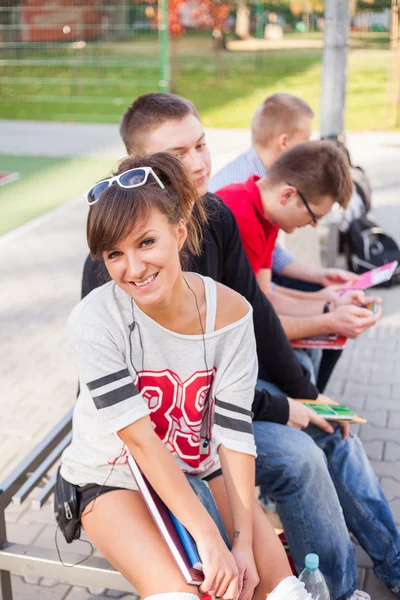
(224, 259)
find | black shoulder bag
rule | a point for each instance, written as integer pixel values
(66, 508)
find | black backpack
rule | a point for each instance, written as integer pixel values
(367, 246)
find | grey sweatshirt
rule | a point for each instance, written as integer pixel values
(197, 390)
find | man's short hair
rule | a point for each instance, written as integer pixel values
(148, 112)
(316, 169)
(279, 113)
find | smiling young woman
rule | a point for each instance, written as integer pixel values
(168, 367)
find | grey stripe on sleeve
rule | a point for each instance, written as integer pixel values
(115, 396)
(233, 407)
(234, 424)
(98, 383)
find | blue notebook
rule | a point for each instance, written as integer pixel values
(188, 543)
(167, 526)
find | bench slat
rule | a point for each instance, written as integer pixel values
(10, 485)
(45, 493)
(96, 571)
(42, 469)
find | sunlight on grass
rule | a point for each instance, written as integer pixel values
(45, 183)
(226, 94)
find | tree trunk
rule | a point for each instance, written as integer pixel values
(242, 28)
(334, 66)
(219, 48)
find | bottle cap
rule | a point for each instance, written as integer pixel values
(312, 561)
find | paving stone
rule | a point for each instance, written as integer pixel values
(369, 432)
(49, 583)
(363, 353)
(120, 595)
(374, 402)
(97, 591)
(394, 419)
(391, 487)
(384, 468)
(45, 515)
(32, 579)
(23, 534)
(395, 506)
(335, 388)
(392, 452)
(354, 401)
(375, 588)
(46, 539)
(360, 579)
(355, 429)
(369, 390)
(357, 375)
(14, 512)
(362, 558)
(26, 591)
(374, 449)
(79, 593)
(376, 418)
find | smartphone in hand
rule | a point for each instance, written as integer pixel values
(372, 306)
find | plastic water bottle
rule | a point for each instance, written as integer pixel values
(313, 579)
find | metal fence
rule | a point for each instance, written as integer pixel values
(82, 58)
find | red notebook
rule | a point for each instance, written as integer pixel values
(163, 520)
(325, 342)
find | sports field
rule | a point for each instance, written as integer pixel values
(98, 84)
(43, 184)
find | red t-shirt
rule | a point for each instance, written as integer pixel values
(257, 233)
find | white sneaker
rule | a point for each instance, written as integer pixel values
(359, 595)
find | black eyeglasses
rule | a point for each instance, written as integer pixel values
(314, 218)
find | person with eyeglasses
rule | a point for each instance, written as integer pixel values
(167, 362)
(298, 190)
(280, 122)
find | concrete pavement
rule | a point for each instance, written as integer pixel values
(40, 279)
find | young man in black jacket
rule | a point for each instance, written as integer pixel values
(316, 477)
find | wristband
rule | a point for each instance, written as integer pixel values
(327, 307)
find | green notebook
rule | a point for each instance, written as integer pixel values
(334, 412)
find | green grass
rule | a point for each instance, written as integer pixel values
(89, 92)
(44, 184)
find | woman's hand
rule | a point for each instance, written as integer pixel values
(221, 575)
(248, 576)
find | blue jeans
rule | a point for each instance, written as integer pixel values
(310, 358)
(323, 485)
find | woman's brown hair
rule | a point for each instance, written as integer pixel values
(119, 210)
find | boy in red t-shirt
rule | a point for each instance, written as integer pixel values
(299, 189)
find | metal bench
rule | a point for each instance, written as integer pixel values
(24, 559)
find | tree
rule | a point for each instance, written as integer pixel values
(204, 14)
(307, 8)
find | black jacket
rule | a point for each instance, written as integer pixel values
(224, 259)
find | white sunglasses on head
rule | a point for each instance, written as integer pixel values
(130, 179)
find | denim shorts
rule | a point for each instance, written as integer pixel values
(90, 492)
